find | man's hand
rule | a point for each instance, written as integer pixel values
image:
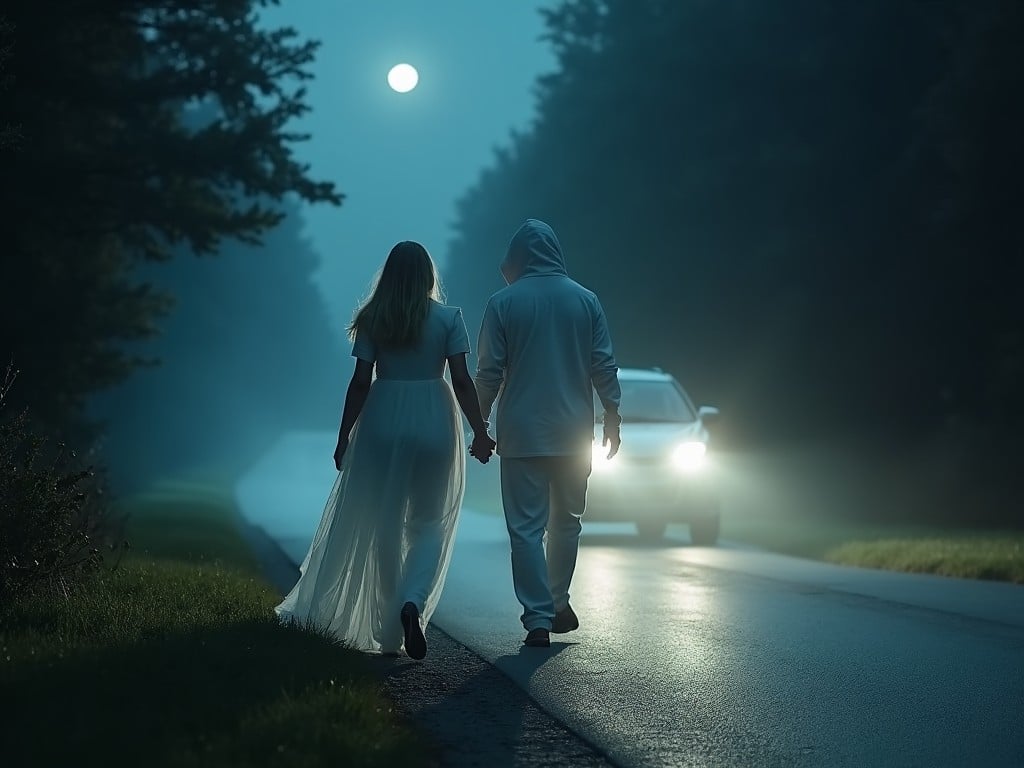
(611, 439)
(339, 452)
(482, 447)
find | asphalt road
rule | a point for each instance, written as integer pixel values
(689, 656)
(730, 657)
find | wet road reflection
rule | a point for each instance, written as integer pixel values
(690, 656)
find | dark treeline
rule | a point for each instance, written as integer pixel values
(247, 352)
(808, 211)
(134, 135)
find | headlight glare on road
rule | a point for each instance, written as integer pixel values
(601, 462)
(690, 456)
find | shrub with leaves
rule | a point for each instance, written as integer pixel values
(52, 511)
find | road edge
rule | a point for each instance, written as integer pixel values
(477, 713)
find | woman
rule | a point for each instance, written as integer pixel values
(375, 569)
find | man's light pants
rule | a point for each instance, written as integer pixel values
(544, 493)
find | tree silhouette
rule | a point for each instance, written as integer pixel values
(247, 353)
(763, 196)
(113, 171)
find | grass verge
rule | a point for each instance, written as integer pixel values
(994, 557)
(837, 507)
(175, 659)
(991, 555)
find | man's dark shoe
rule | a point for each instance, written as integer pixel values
(415, 642)
(538, 638)
(565, 621)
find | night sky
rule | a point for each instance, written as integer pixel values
(402, 160)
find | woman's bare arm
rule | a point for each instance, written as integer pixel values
(355, 398)
(465, 393)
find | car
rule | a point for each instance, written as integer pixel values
(664, 471)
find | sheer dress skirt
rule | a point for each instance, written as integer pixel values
(388, 527)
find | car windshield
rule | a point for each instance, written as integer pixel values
(650, 401)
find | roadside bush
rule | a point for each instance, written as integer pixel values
(52, 511)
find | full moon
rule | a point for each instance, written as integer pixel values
(403, 77)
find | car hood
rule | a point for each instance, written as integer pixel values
(642, 439)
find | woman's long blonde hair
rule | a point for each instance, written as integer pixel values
(393, 316)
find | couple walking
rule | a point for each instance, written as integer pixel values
(377, 563)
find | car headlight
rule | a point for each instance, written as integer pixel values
(600, 461)
(690, 456)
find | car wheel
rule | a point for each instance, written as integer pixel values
(651, 529)
(704, 531)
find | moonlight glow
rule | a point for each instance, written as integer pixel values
(403, 77)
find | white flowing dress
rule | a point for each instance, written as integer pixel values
(387, 530)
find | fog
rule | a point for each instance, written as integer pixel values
(255, 344)
(802, 220)
(782, 221)
(402, 160)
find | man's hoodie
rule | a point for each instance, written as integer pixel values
(544, 346)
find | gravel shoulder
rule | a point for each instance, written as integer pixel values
(476, 715)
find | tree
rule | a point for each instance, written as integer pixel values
(969, 160)
(738, 169)
(9, 133)
(247, 353)
(112, 172)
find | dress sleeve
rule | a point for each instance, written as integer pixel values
(363, 348)
(458, 336)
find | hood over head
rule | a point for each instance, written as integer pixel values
(533, 250)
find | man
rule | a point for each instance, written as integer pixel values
(544, 344)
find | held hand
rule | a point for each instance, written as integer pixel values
(611, 439)
(482, 448)
(339, 452)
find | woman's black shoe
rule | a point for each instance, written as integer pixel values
(415, 642)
